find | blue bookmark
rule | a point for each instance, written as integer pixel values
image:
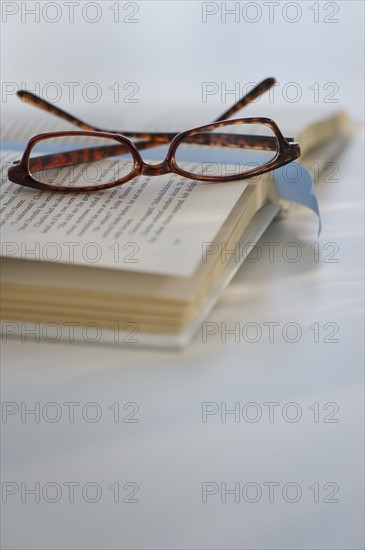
(295, 184)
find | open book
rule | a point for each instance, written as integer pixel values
(142, 263)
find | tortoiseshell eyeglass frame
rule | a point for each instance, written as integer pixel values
(286, 149)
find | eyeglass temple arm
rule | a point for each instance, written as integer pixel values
(36, 101)
(89, 154)
(77, 156)
(256, 92)
(33, 99)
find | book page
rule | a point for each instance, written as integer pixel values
(149, 224)
(21, 121)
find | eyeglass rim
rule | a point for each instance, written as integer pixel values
(284, 144)
(288, 150)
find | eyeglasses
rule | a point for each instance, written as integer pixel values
(95, 159)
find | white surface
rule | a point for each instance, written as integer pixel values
(170, 53)
(170, 451)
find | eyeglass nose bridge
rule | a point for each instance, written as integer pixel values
(155, 169)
